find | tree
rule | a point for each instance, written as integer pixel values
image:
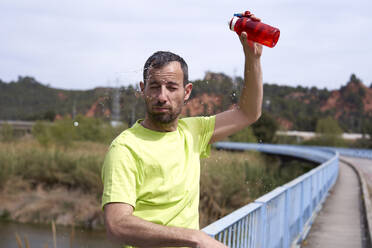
(328, 126)
(49, 115)
(328, 133)
(265, 128)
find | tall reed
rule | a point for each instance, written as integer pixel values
(54, 234)
(27, 244)
(19, 241)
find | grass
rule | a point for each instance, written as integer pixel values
(229, 180)
(78, 167)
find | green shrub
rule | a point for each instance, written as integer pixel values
(290, 140)
(89, 129)
(52, 168)
(245, 135)
(41, 132)
(5, 171)
(230, 180)
(63, 132)
(7, 132)
(265, 128)
(326, 140)
(363, 143)
(328, 134)
(328, 126)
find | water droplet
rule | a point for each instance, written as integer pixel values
(76, 123)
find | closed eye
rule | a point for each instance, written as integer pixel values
(172, 86)
(154, 85)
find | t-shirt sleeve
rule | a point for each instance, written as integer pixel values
(119, 172)
(206, 129)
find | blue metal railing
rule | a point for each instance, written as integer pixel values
(360, 153)
(282, 216)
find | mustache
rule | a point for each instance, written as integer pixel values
(162, 105)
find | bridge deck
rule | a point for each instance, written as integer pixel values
(364, 165)
(340, 222)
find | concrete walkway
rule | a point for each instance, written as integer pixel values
(364, 165)
(339, 223)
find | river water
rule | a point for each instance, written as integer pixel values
(40, 235)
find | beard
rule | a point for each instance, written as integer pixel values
(163, 117)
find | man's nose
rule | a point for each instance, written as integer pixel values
(162, 97)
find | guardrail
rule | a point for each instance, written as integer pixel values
(360, 153)
(283, 216)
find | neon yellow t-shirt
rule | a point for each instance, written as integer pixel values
(158, 172)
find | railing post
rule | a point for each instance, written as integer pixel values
(324, 183)
(311, 195)
(302, 208)
(286, 219)
(263, 226)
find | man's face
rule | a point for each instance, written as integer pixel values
(164, 93)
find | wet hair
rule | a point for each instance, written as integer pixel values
(162, 58)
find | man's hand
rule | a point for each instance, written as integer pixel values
(206, 242)
(251, 48)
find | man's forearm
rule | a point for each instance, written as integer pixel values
(251, 97)
(135, 231)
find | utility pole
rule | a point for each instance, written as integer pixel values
(115, 117)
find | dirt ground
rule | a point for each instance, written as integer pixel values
(27, 202)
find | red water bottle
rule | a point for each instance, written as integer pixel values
(257, 31)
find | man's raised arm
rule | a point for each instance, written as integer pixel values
(124, 228)
(248, 109)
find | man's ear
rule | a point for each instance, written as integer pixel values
(188, 89)
(142, 86)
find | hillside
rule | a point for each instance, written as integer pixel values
(293, 107)
(28, 99)
(299, 108)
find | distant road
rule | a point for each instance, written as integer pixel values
(27, 126)
(19, 125)
(309, 135)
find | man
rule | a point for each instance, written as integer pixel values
(151, 171)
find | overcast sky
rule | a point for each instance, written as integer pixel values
(85, 44)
